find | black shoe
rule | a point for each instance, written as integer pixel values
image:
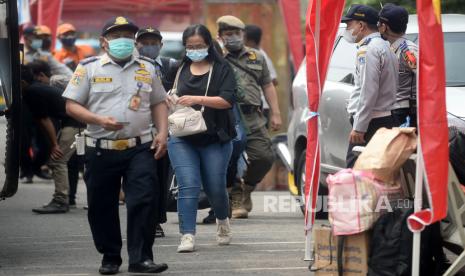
(159, 233)
(210, 219)
(54, 207)
(147, 267)
(108, 269)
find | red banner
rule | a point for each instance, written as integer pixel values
(322, 23)
(432, 117)
(291, 14)
(48, 13)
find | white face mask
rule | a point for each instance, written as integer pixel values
(349, 36)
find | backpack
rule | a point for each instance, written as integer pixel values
(168, 69)
(392, 241)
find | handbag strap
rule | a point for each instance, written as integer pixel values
(208, 85)
(175, 85)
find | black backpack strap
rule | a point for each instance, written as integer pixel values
(165, 65)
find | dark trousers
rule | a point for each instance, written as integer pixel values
(164, 172)
(400, 117)
(105, 170)
(374, 125)
(74, 165)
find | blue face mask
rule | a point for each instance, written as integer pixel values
(68, 41)
(121, 48)
(150, 51)
(197, 55)
(36, 44)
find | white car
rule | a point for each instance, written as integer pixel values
(334, 126)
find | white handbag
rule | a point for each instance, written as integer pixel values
(185, 120)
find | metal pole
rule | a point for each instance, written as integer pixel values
(417, 207)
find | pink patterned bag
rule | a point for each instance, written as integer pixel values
(356, 199)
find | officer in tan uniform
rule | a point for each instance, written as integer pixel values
(254, 77)
(118, 95)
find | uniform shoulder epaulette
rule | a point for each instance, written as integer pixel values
(403, 46)
(366, 42)
(89, 60)
(147, 59)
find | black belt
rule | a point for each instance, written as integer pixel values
(249, 109)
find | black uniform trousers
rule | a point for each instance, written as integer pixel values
(400, 117)
(373, 126)
(104, 172)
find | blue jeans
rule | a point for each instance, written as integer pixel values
(193, 166)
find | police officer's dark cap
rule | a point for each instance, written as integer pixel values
(119, 22)
(362, 13)
(396, 17)
(149, 32)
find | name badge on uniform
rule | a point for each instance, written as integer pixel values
(102, 80)
(143, 79)
(143, 72)
(134, 102)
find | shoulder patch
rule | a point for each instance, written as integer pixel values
(89, 60)
(410, 58)
(252, 55)
(79, 75)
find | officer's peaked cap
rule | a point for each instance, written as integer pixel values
(119, 22)
(229, 21)
(362, 13)
(396, 17)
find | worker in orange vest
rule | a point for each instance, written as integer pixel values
(71, 54)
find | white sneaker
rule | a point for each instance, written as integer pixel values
(223, 232)
(187, 243)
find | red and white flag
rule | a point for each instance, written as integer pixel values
(322, 23)
(432, 117)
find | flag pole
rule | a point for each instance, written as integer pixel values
(417, 207)
(309, 254)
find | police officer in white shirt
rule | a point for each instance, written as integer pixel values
(392, 25)
(376, 73)
(118, 95)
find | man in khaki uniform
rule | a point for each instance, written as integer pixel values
(118, 95)
(254, 77)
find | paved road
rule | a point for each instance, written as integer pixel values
(30, 244)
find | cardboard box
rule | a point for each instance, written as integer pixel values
(355, 253)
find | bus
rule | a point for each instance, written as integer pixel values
(10, 96)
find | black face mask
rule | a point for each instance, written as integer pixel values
(46, 44)
(68, 41)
